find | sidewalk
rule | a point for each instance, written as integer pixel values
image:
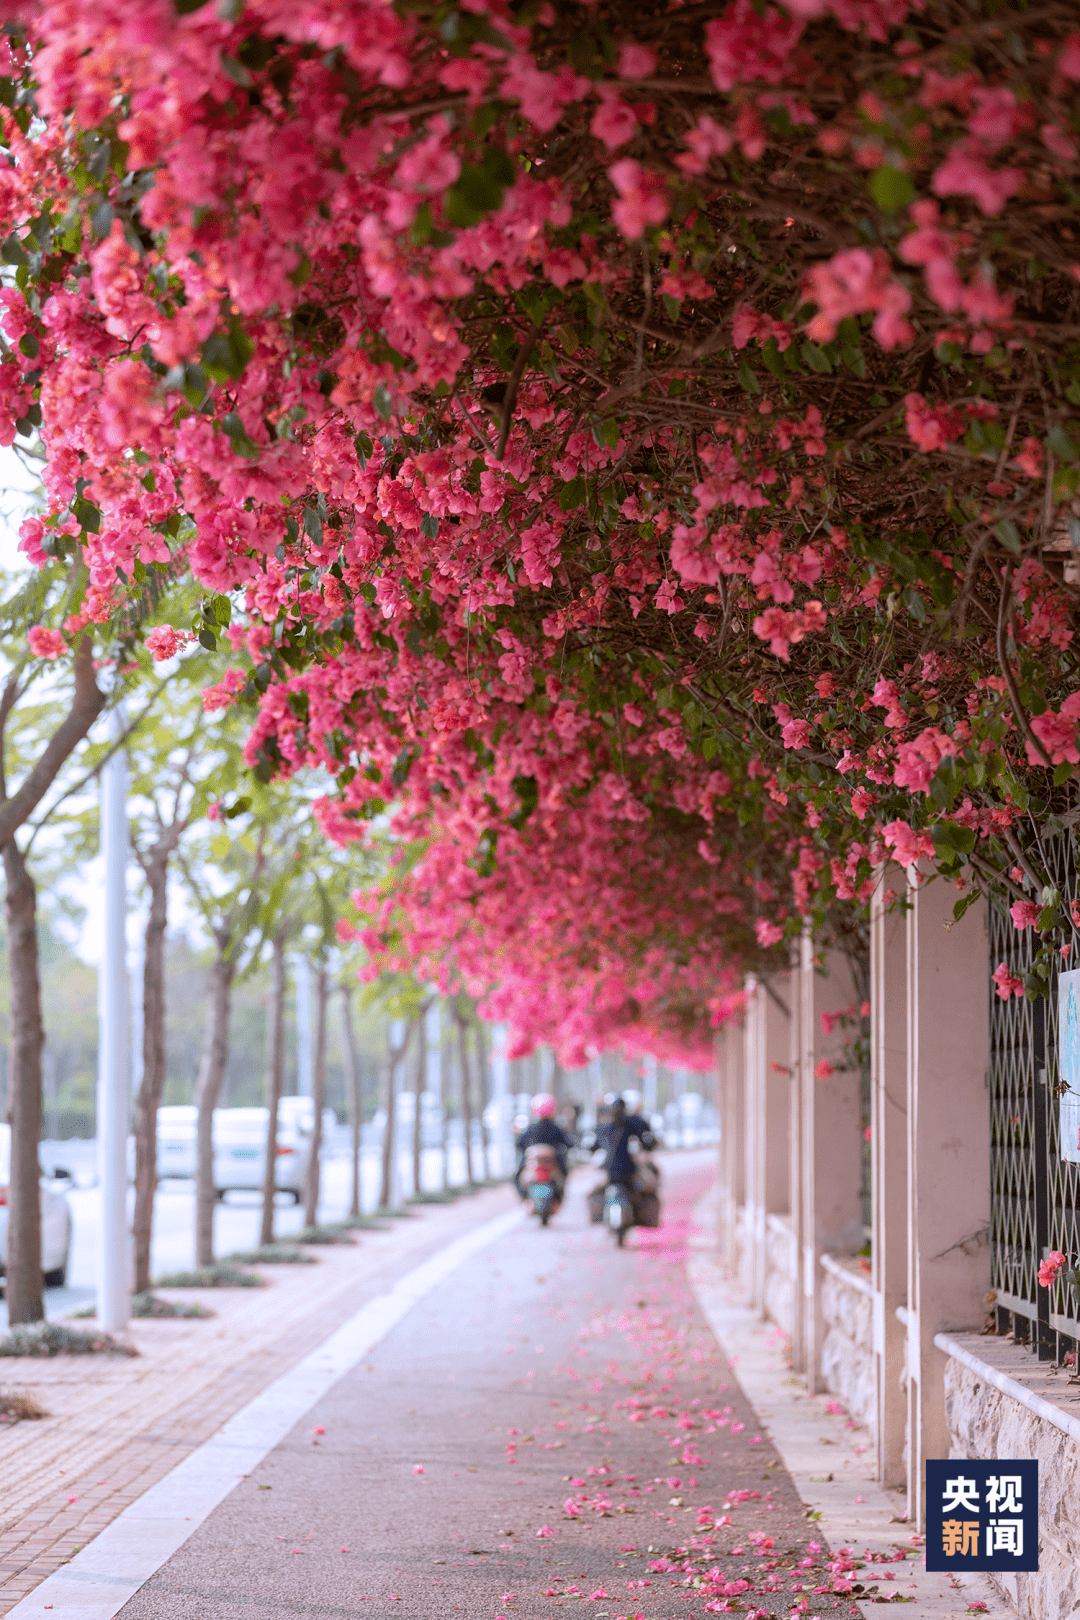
(116, 1425)
(830, 1459)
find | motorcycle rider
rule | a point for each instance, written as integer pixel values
(542, 1131)
(614, 1137)
(641, 1180)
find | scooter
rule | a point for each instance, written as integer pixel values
(542, 1181)
(618, 1211)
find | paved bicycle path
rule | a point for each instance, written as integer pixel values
(547, 1427)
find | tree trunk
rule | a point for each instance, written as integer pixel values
(215, 1060)
(481, 1090)
(275, 1077)
(154, 1063)
(421, 1066)
(352, 1075)
(466, 1099)
(318, 1090)
(24, 1280)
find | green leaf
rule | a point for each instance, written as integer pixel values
(1062, 445)
(238, 436)
(1007, 533)
(221, 608)
(772, 359)
(815, 358)
(891, 189)
(236, 71)
(87, 515)
(915, 605)
(208, 639)
(29, 345)
(1062, 772)
(965, 904)
(855, 361)
(226, 354)
(478, 190)
(709, 747)
(313, 524)
(950, 840)
(382, 401)
(572, 494)
(747, 381)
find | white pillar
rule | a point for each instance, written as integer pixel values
(797, 1039)
(731, 1045)
(767, 1119)
(113, 1098)
(831, 1220)
(753, 1255)
(305, 1084)
(888, 1149)
(948, 1183)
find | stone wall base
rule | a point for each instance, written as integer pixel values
(779, 1272)
(983, 1422)
(847, 1355)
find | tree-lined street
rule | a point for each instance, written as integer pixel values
(551, 600)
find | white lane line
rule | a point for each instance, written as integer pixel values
(101, 1578)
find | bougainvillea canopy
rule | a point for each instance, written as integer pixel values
(638, 448)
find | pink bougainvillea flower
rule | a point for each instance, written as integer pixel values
(44, 643)
(165, 642)
(1051, 1267)
(1007, 983)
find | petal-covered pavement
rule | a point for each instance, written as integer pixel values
(551, 1428)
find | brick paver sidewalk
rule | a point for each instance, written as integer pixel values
(116, 1425)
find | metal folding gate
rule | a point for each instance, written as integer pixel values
(1034, 1193)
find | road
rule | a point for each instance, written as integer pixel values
(236, 1220)
(551, 1425)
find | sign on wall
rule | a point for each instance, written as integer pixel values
(1069, 1063)
(982, 1515)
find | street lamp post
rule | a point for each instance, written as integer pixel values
(305, 1081)
(113, 1100)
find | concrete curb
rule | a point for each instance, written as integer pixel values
(832, 1466)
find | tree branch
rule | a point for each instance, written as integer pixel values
(87, 703)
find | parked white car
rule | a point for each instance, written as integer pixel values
(298, 1113)
(55, 1218)
(176, 1129)
(240, 1150)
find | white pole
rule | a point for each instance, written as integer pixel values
(305, 1074)
(649, 1088)
(114, 1262)
(397, 1192)
(433, 1078)
(500, 1089)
